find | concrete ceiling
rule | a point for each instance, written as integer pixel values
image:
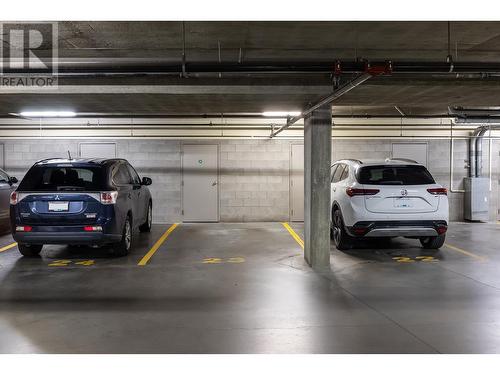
(277, 41)
(478, 41)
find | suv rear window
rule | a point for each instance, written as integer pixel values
(63, 178)
(394, 175)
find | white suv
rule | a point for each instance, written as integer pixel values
(389, 198)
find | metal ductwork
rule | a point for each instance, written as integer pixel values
(485, 115)
(476, 149)
(476, 187)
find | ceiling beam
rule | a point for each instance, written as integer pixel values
(169, 89)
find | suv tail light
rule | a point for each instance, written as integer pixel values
(108, 197)
(438, 191)
(23, 228)
(13, 197)
(441, 229)
(353, 191)
(360, 231)
(95, 228)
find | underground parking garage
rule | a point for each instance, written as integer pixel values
(297, 188)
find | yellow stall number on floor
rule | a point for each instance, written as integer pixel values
(427, 259)
(212, 260)
(236, 260)
(86, 263)
(66, 262)
(60, 263)
(221, 260)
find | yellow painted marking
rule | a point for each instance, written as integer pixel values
(220, 260)
(157, 245)
(212, 261)
(86, 263)
(60, 263)
(403, 260)
(465, 252)
(236, 260)
(10, 246)
(295, 236)
(427, 259)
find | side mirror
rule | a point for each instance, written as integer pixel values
(146, 181)
(13, 180)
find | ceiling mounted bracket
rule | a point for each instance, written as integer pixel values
(379, 69)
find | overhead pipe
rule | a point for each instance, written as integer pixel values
(369, 71)
(251, 115)
(145, 67)
(327, 100)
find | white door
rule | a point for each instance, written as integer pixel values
(297, 182)
(200, 189)
(98, 150)
(410, 150)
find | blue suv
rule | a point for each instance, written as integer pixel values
(80, 202)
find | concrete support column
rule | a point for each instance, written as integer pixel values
(317, 162)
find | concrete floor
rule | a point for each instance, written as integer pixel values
(244, 288)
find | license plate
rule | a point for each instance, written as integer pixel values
(58, 206)
(402, 203)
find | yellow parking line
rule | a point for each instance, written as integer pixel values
(14, 244)
(157, 245)
(465, 252)
(295, 236)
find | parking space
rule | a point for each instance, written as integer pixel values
(244, 287)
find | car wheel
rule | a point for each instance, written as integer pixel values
(146, 227)
(433, 242)
(341, 239)
(122, 248)
(29, 250)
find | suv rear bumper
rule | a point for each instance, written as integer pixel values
(423, 228)
(65, 238)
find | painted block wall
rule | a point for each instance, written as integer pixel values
(253, 174)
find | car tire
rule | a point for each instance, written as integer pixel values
(123, 247)
(340, 237)
(433, 242)
(29, 250)
(146, 227)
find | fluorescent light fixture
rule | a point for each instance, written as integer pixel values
(48, 114)
(281, 114)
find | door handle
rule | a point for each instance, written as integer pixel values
(129, 196)
(214, 183)
(334, 189)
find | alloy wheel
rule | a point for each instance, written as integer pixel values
(128, 234)
(337, 225)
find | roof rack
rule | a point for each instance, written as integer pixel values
(402, 159)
